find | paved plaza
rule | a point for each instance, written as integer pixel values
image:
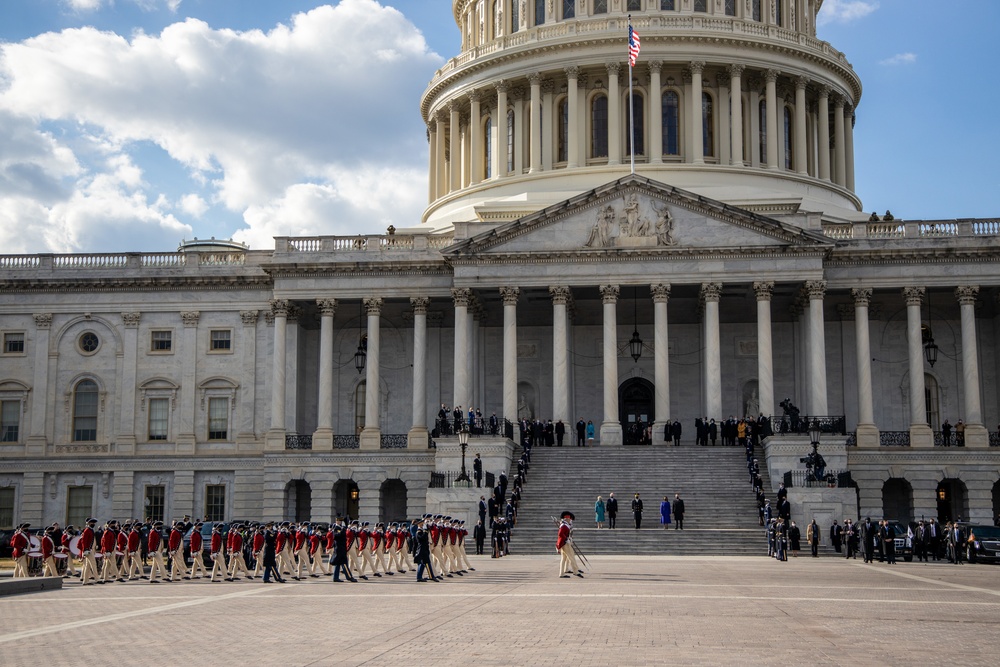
(513, 611)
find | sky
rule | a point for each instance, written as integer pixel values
(129, 125)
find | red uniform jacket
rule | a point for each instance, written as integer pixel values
(216, 542)
(122, 541)
(48, 546)
(153, 543)
(435, 535)
(563, 536)
(196, 542)
(108, 541)
(329, 541)
(258, 542)
(400, 539)
(313, 544)
(362, 540)
(388, 538)
(134, 538)
(18, 542)
(350, 537)
(66, 537)
(376, 539)
(453, 534)
(279, 542)
(86, 539)
(300, 539)
(236, 542)
(176, 539)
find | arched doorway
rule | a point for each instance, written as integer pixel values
(996, 501)
(345, 498)
(952, 500)
(897, 500)
(392, 501)
(635, 408)
(298, 500)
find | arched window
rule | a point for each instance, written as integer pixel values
(668, 5)
(510, 140)
(488, 148)
(778, 10)
(539, 12)
(762, 138)
(85, 412)
(600, 6)
(788, 138)
(701, 5)
(638, 111)
(708, 124)
(562, 149)
(671, 123)
(755, 10)
(569, 9)
(599, 127)
(359, 406)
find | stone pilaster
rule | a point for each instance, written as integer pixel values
(611, 428)
(39, 434)
(975, 433)
(323, 436)
(275, 441)
(736, 113)
(710, 295)
(816, 289)
(560, 354)
(510, 296)
(417, 436)
(920, 431)
(661, 361)
(371, 434)
(695, 114)
(867, 434)
(765, 359)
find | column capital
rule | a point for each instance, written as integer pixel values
(801, 82)
(420, 303)
(661, 292)
(249, 317)
(824, 91)
(475, 96)
(613, 68)
(461, 296)
(43, 320)
(373, 305)
(535, 78)
(454, 106)
(736, 70)
(654, 65)
(560, 294)
(279, 307)
(502, 86)
(913, 296)
(548, 86)
(131, 320)
(327, 306)
(696, 66)
(190, 318)
(609, 293)
(510, 295)
(816, 289)
(572, 72)
(764, 290)
(966, 294)
(862, 296)
(839, 102)
(710, 292)
(771, 75)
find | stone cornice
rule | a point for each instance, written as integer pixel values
(213, 463)
(129, 284)
(896, 255)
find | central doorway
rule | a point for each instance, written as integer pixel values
(635, 409)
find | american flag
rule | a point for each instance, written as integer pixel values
(633, 46)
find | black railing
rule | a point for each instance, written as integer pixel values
(393, 441)
(346, 442)
(804, 479)
(298, 441)
(995, 439)
(447, 480)
(477, 427)
(953, 440)
(852, 439)
(894, 438)
(800, 424)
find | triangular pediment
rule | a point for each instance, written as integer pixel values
(636, 214)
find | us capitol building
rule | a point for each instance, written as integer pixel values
(734, 269)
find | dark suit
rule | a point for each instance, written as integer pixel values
(422, 555)
(637, 512)
(678, 514)
(477, 471)
(339, 557)
(479, 535)
(868, 533)
(611, 507)
(581, 433)
(675, 433)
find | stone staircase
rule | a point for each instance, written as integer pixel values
(721, 514)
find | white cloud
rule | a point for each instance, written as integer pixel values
(301, 126)
(900, 59)
(84, 5)
(845, 11)
(93, 5)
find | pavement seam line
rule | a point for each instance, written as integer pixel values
(916, 577)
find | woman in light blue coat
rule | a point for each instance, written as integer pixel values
(599, 512)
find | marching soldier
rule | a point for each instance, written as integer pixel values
(435, 539)
(352, 549)
(236, 561)
(197, 559)
(567, 561)
(109, 543)
(462, 534)
(377, 536)
(366, 558)
(316, 552)
(301, 550)
(286, 559)
(391, 549)
(48, 554)
(257, 549)
(175, 547)
(133, 560)
(217, 554)
(121, 549)
(66, 538)
(405, 556)
(19, 545)
(86, 546)
(154, 545)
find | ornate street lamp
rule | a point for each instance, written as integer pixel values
(362, 354)
(635, 343)
(463, 441)
(814, 432)
(930, 347)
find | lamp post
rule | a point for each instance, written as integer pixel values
(463, 441)
(814, 433)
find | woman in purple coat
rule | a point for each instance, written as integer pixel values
(665, 512)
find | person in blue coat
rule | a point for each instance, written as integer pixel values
(665, 512)
(599, 512)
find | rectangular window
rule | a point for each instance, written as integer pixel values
(777, 13)
(159, 418)
(600, 6)
(755, 10)
(13, 343)
(10, 421)
(215, 502)
(155, 502)
(730, 7)
(701, 5)
(85, 414)
(161, 341)
(218, 419)
(634, 5)
(569, 9)
(222, 340)
(6, 508)
(79, 504)
(667, 5)
(539, 12)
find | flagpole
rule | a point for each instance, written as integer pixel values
(631, 110)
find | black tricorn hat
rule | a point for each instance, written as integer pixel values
(567, 515)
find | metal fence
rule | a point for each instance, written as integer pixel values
(477, 427)
(800, 424)
(803, 479)
(447, 480)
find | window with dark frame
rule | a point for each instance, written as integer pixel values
(161, 341)
(13, 343)
(155, 502)
(218, 418)
(215, 502)
(221, 340)
(85, 412)
(10, 421)
(159, 418)
(79, 504)
(7, 508)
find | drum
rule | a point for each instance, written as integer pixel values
(34, 554)
(74, 546)
(34, 543)
(60, 556)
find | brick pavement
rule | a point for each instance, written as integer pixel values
(513, 611)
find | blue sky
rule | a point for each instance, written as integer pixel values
(131, 124)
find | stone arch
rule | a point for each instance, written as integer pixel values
(298, 500)
(635, 404)
(392, 500)
(952, 496)
(897, 500)
(64, 330)
(346, 495)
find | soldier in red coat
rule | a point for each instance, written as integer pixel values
(19, 545)
(154, 546)
(405, 557)
(463, 557)
(364, 537)
(195, 549)
(237, 563)
(352, 549)
(48, 554)
(257, 550)
(109, 544)
(316, 553)
(64, 549)
(175, 548)
(301, 550)
(133, 547)
(217, 554)
(86, 546)
(567, 560)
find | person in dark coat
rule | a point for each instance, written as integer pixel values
(339, 558)
(794, 539)
(637, 511)
(611, 507)
(479, 535)
(678, 512)
(422, 555)
(270, 556)
(676, 429)
(477, 470)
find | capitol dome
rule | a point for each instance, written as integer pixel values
(535, 108)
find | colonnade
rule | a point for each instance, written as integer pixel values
(813, 293)
(458, 138)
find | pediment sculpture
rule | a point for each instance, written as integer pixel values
(633, 227)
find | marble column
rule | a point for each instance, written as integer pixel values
(765, 350)
(431, 159)
(736, 113)
(371, 434)
(614, 115)
(276, 434)
(560, 354)
(816, 290)
(655, 122)
(661, 361)
(475, 138)
(867, 433)
(323, 436)
(548, 118)
(501, 151)
(611, 428)
(126, 429)
(695, 114)
(920, 431)
(509, 296)
(839, 141)
(975, 433)
(517, 105)
(849, 146)
(710, 295)
(475, 315)
(441, 165)
(771, 96)
(573, 101)
(455, 152)
(722, 119)
(460, 395)
(823, 120)
(535, 79)
(39, 433)
(417, 436)
(801, 165)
